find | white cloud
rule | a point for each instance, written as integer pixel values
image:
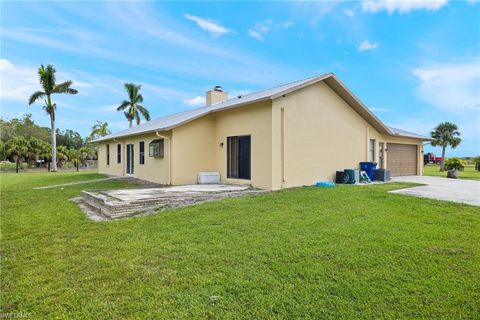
(17, 82)
(367, 45)
(287, 24)
(349, 13)
(451, 87)
(261, 29)
(207, 25)
(401, 6)
(195, 102)
(254, 34)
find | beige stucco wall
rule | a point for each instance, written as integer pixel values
(154, 169)
(201, 145)
(254, 120)
(194, 150)
(322, 134)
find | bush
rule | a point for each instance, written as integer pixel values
(68, 165)
(453, 164)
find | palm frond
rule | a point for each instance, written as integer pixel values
(123, 105)
(35, 96)
(47, 77)
(127, 115)
(64, 87)
(137, 117)
(139, 99)
(145, 113)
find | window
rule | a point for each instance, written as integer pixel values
(155, 148)
(238, 157)
(141, 153)
(381, 158)
(371, 151)
(108, 154)
(119, 153)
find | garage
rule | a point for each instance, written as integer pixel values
(402, 159)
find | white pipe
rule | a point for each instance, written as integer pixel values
(169, 156)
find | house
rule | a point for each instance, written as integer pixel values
(287, 136)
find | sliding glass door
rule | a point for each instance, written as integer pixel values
(238, 157)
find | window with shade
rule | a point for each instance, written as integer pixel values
(108, 154)
(141, 152)
(371, 151)
(156, 148)
(119, 153)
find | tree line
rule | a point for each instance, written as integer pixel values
(23, 140)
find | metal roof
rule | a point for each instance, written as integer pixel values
(177, 119)
(403, 133)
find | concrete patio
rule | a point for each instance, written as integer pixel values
(456, 190)
(114, 204)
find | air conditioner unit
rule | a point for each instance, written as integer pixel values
(208, 178)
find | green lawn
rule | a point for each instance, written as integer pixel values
(347, 252)
(469, 172)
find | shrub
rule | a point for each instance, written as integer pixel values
(453, 164)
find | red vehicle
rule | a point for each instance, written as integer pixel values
(431, 158)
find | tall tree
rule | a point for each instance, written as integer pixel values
(18, 147)
(49, 85)
(62, 156)
(444, 135)
(74, 156)
(99, 129)
(133, 105)
(35, 148)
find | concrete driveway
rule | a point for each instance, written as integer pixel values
(457, 190)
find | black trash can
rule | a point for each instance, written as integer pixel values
(382, 175)
(341, 177)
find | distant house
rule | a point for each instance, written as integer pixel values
(287, 136)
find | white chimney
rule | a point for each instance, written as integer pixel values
(216, 95)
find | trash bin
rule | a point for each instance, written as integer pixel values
(351, 176)
(341, 177)
(382, 175)
(369, 168)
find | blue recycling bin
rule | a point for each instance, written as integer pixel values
(369, 168)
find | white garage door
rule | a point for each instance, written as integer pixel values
(402, 159)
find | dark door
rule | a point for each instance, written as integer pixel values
(244, 157)
(130, 158)
(238, 159)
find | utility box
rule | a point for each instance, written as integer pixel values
(382, 175)
(208, 178)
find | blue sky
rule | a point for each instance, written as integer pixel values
(414, 64)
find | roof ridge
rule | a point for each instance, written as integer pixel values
(274, 87)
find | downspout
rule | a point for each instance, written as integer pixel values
(169, 156)
(282, 144)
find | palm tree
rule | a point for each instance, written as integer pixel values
(47, 80)
(132, 106)
(99, 129)
(86, 153)
(74, 156)
(62, 155)
(46, 154)
(35, 146)
(444, 135)
(18, 147)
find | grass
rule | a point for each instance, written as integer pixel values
(469, 172)
(315, 253)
